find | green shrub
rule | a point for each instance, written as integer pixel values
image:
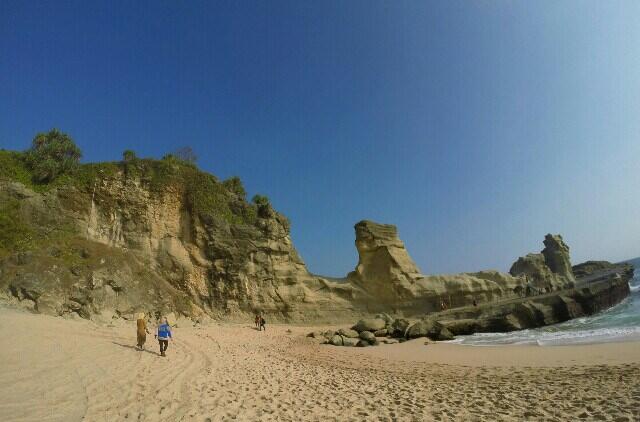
(15, 232)
(264, 206)
(13, 167)
(52, 154)
(234, 184)
(128, 156)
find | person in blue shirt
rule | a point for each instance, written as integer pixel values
(163, 335)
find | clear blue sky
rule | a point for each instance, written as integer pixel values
(476, 127)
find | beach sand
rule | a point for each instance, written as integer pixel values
(54, 369)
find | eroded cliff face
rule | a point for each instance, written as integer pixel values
(163, 257)
(548, 270)
(387, 273)
(117, 246)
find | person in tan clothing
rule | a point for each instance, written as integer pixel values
(142, 331)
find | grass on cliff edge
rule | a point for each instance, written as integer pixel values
(205, 195)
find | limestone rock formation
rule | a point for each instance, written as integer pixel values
(549, 270)
(556, 255)
(122, 246)
(384, 267)
(162, 237)
(387, 274)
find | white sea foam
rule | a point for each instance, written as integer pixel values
(620, 323)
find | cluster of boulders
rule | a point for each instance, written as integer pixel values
(383, 328)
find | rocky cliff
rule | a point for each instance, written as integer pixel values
(161, 236)
(548, 270)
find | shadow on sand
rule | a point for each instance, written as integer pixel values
(135, 348)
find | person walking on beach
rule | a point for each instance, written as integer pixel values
(262, 324)
(163, 335)
(141, 330)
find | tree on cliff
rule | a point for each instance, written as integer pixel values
(52, 154)
(264, 206)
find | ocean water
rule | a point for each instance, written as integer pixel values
(620, 323)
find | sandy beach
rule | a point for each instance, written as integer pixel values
(71, 370)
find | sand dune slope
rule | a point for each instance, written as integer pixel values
(59, 370)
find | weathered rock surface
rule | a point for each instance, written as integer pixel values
(547, 271)
(384, 266)
(346, 332)
(367, 336)
(556, 255)
(589, 267)
(369, 324)
(592, 293)
(399, 327)
(336, 340)
(117, 246)
(349, 342)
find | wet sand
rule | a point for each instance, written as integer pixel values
(60, 370)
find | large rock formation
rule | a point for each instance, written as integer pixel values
(384, 266)
(392, 281)
(598, 289)
(162, 237)
(548, 270)
(165, 255)
(556, 256)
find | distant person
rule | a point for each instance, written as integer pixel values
(258, 322)
(163, 335)
(141, 325)
(262, 324)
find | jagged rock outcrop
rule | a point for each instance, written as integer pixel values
(157, 238)
(546, 271)
(592, 293)
(164, 256)
(386, 272)
(384, 266)
(589, 267)
(556, 256)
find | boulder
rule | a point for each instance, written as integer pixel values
(349, 342)
(367, 336)
(399, 327)
(429, 328)
(380, 333)
(388, 319)
(316, 334)
(390, 341)
(49, 304)
(336, 340)
(362, 343)
(444, 335)
(370, 324)
(329, 334)
(346, 332)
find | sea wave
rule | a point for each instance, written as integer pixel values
(616, 324)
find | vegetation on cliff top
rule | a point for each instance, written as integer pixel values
(53, 161)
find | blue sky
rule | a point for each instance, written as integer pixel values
(476, 127)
